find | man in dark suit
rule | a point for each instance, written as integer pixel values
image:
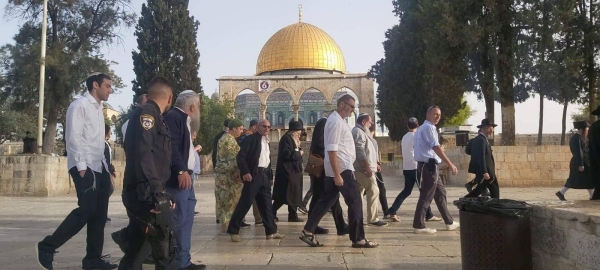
(254, 163)
(482, 162)
(594, 146)
(180, 186)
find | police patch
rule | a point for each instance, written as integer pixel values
(147, 121)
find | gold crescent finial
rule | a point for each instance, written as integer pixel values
(300, 13)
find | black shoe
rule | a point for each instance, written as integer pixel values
(196, 213)
(258, 224)
(149, 260)
(99, 264)
(108, 219)
(218, 221)
(320, 230)
(295, 219)
(560, 196)
(195, 267)
(276, 219)
(45, 257)
(345, 231)
(303, 210)
(469, 187)
(378, 223)
(245, 225)
(115, 237)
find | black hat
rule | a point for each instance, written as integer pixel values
(486, 122)
(295, 125)
(580, 124)
(253, 122)
(596, 111)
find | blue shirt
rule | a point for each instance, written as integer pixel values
(197, 163)
(426, 138)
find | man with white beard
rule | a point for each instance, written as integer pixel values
(180, 120)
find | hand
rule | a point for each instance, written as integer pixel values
(486, 176)
(114, 175)
(581, 168)
(453, 169)
(378, 168)
(247, 177)
(301, 152)
(82, 173)
(173, 205)
(368, 172)
(198, 148)
(185, 181)
(339, 181)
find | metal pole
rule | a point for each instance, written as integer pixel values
(42, 78)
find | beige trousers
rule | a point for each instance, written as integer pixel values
(370, 185)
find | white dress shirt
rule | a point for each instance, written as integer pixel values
(265, 153)
(338, 138)
(192, 157)
(426, 138)
(124, 128)
(408, 152)
(84, 134)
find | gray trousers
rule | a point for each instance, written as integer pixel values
(431, 189)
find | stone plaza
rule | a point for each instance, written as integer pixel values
(26, 220)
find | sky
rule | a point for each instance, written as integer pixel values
(232, 33)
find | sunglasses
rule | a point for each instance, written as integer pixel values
(265, 126)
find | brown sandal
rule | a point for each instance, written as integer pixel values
(310, 240)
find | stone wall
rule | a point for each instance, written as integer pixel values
(516, 166)
(565, 235)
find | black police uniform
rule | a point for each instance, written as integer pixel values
(148, 155)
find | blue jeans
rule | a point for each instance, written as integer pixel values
(410, 179)
(185, 203)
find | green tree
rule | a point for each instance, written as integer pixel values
(14, 124)
(77, 29)
(167, 47)
(212, 115)
(461, 117)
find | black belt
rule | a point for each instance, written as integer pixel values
(261, 169)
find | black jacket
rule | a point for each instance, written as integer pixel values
(482, 160)
(111, 168)
(215, 148)
(147, 150)
(317, 146)
(247, 158)
(176, 120)
(288, 175)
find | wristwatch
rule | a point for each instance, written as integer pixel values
(181, 172)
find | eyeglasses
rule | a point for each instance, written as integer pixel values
(265, 126)
(351, 106)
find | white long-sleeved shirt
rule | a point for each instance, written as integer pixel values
(338, 138)
(124, 128)
(408, 152)
(191, 158)
(84, 134)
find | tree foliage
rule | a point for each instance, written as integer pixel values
(14, 124)
(77, 29)
(212, 115)
(461, 117)
(167, 46)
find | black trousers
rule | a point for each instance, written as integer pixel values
(139, 218)
(92, 198)
(382, 194)
(485, 184)
(260, 190)
(292, 211)
(318, 189)
(331, 195)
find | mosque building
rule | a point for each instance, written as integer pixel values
(300, 74)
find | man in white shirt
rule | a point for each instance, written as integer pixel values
(409, 167)
(366, 166)
(339, 172)
(87, 166)
(141, 100)
(428, 154)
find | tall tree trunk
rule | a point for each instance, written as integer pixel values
(505, 71)
(50, 132)
(487, 80)
(589, 40)
(541, 122)
(564, 123)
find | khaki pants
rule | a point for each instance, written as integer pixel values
(256, 213)
(370, 185)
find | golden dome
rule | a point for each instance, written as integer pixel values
(300, 46)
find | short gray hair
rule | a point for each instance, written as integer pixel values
(186, 99)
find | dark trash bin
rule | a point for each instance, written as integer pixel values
(494, 234)
(29, 145)
(390, 156)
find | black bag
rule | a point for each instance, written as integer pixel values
(485, 205)
(468, 147)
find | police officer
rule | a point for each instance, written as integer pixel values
(148, 155)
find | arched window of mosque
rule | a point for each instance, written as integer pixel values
(280, 119)
(269, 118)
(312, 119)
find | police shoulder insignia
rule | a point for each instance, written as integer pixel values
(147, 121)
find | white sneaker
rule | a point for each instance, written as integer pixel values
(425, 231)
(455, 225)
